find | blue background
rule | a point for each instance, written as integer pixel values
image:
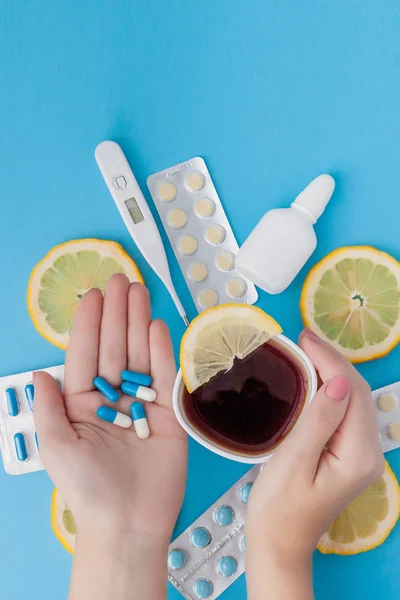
(270, 94)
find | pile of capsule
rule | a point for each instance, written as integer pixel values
(133, 384)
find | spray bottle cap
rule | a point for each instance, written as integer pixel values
(314, 198)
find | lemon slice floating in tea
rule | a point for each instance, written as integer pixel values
(63, 522)
(367, 521)
(64, 275)
(219, 335)
(352, 299)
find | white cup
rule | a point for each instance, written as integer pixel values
(310, 378)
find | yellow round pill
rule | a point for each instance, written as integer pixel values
(177, 218)
(236, 287)
(387, 402)
(204, 208)
(167, 191)
(225, 261)
(198, 272)
(194, 181)
(394, 431)
(215, 234)
(187, 244)
(208, 298)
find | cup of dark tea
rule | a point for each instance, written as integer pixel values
(246, 413)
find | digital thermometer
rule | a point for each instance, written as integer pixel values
(136, 214)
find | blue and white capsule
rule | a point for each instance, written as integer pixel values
(106, 389)
(139, 378)
(140, 423)
(138, 391)
(105, 413)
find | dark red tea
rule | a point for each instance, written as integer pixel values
(249, 409)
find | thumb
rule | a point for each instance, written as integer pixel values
(326, 359)
(51, 421)
(321, 419)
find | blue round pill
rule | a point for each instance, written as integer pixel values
(226, 566)
(223, 515)
(200, 538)
(176, 559)
(244, 492)
(203, 588)
(242, 543)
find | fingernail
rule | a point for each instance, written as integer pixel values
(338, 387)
(310, 334)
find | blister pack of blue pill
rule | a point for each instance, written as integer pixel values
(19, 444)
(210, 555)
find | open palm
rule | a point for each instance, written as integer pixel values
(105, 472)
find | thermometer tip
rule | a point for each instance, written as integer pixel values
(185, 320)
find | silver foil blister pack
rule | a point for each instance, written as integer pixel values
(200, 234)
(210, 555)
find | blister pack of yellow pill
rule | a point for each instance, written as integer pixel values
(200, 234)
(387, 404)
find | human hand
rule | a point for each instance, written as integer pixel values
(113, 482)
(333, 454)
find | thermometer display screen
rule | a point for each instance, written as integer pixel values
(134, 210)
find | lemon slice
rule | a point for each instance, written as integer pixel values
(352, 299)
(63, 522)
(367, 521)
(64, 275)
(219, 335)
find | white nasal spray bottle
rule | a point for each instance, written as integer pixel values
(284, 239)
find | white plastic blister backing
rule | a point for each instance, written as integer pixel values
(387, 403)
(21, 424)
(201, 571)
(200, 234)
